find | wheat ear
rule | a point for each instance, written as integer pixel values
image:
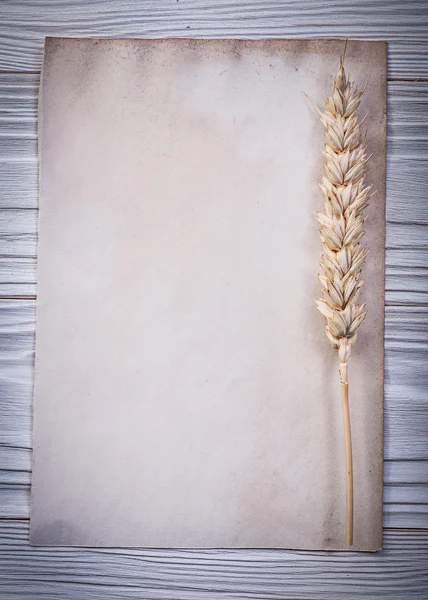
(341, 230)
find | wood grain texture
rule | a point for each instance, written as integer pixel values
(407, 152)
(406, 492)
(407, 179)
(407, 137)
(400, 571)
(403, 24)
(406, 268)
(397, 572)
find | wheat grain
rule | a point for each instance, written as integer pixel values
(342, 223)
(341, 231)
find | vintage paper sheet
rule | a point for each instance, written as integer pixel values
(185, 392)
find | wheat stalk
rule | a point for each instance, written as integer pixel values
(341, 230)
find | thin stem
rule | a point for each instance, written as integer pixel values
(348, 454)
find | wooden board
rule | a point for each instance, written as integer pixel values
(406, 492)
(403, 24)
(400, 571)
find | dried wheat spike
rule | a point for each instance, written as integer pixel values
(342, 222)
(341, 230)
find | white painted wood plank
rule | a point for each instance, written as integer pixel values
(405, 282)
(19, 183)
(14, 501)
(403, 240)
(14, 459)
(17, 147)
(406, 412)
(404, 24)
(399, 510)
(405, 506)
(406, 339)
(406, 198)
(398, 572)
(405, 431)
(406, 243)
(407, 59)
(400, 494)
(407, 122)
(15, 477)
(18, 232)
(404, 516)
(15, 467)
(402, 235)
(406, 328)
(17, 276)
(406, 258)
(404, 471)
(16, 383)
(407, 173)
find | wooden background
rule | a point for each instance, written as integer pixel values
(401, 569)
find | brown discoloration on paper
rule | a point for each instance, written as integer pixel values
(185, 394)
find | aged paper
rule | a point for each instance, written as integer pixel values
(185, 393)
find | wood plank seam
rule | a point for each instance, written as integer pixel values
(40, 574)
